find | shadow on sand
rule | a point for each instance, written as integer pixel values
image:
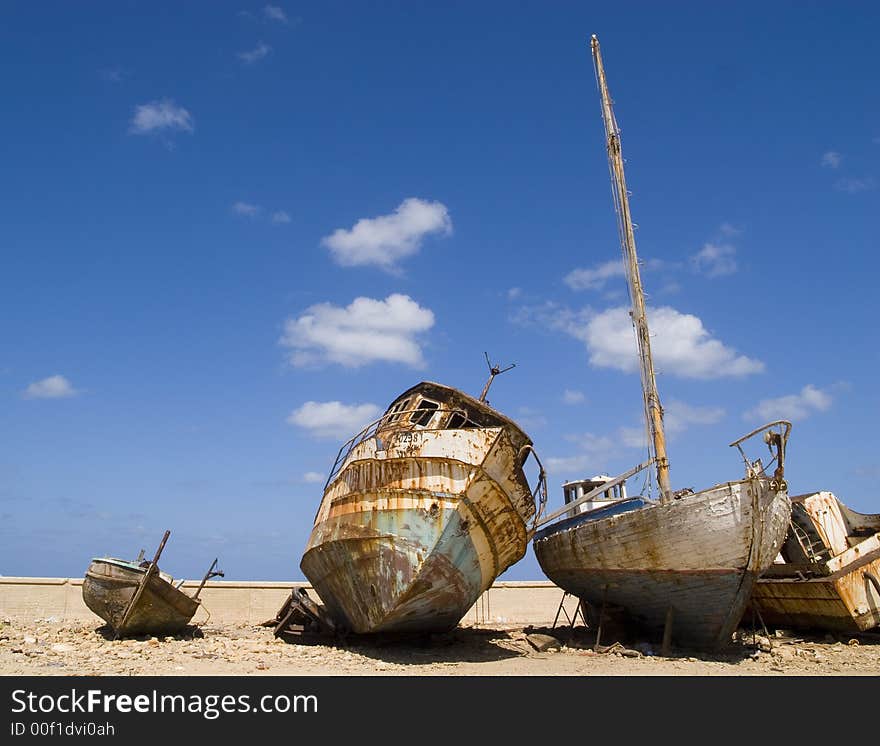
(461, 645)
(190, 632)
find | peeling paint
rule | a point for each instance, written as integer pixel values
(418, 518)
(822, 578)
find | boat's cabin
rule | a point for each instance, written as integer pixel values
(573, 490)
(436, 407)
(433, 406)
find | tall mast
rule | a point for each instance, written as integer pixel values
(653, 410)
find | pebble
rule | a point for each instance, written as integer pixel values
(79, 649)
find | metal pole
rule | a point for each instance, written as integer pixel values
(208, 574)
(143, 584)
(594, 492)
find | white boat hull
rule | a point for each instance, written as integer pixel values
(699, 556)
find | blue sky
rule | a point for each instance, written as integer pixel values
(232, 232)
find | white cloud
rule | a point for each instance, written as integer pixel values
(573, 397)
(678, 416)
(831, 159)
(595, 278)
(715, 260)
(275, 13)
(557, 317)
(854, 186)
(680, 345)
(160, 115)
(385, 239)
(872, 471)
(594, 453)
(530, 419)
(633, 437)
(53, 387)
(792, 407)
(333, 419)
(365, 331)
(726, 229)
(313, 477)
(255, 54)
(514, 293)
(246, 209)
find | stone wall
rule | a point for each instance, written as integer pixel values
(511, 602)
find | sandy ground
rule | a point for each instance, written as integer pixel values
(48, 647)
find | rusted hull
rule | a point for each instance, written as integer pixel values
(410, 534)
(421, 574)
(847, 601)
(109, 586)
(836, 586)
(698, 556)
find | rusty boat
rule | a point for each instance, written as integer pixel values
(137, 598)
(827, 575)
(422, 510)
(685, 563)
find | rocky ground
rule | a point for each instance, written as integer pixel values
(49, 647)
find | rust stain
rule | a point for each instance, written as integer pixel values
(421, 511)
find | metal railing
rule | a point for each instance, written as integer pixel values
(400, 422)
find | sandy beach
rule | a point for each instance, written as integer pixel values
(49, 647)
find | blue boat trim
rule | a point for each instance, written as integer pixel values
(597, 514)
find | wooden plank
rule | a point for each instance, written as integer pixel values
(140, 589)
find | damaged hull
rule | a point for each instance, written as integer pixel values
(827, 576)
(109, 586)
(419, 519)
(698, 556)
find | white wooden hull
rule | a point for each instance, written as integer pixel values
(699, 555)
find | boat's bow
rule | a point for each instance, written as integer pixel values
(416, 522)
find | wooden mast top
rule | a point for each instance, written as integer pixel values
(653, 410)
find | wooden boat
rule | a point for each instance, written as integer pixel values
(827, 576)
(422, 510)
(687, 562)
(137, 598)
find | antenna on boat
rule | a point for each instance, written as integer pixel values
(653, 410)
(494, 370)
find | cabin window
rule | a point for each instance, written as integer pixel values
(459, 420)
(393, 413)
(424, 412)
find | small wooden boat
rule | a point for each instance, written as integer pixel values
(137, 598)
(685, 563)
(827, 575)
(421, 512)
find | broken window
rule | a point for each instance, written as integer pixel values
(423, 412)
(393, 413)
(460, 420)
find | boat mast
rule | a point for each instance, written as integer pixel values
(653, 410)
